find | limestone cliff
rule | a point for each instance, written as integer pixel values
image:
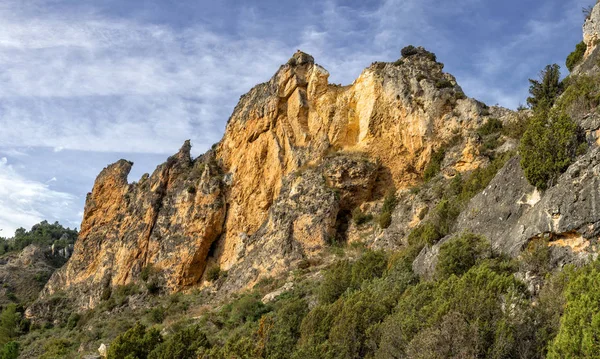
(298, 155)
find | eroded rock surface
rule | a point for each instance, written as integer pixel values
(298, 155)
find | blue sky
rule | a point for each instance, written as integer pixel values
(84, 83)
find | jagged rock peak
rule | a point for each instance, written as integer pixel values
(301, 58)
(117, 171)
(184, 152)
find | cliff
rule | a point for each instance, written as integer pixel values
(298, 155)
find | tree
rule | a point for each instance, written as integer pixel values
(184, 344)
(579, 333)
(545, 90)
(548, 147)
(576, 56)
(10, 323)
(136, 343)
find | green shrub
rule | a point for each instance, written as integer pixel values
(213, 273)
(57, 348)
(580, 324)
(398, 62)
(581, 95)
(491, 126)
(137, 342)
(284, 331)
(576, 56)
(73, 320)
(548, 147)
(435, 164)
(12, 323)
(336, 280)
(184, 344)
(157, 315)
(247, 308)
(516, 128)
(443, 83)
(384, 220)
(389, 203)
(369, 266)
(147, 272)
(408, 51)
(459, 254)
(359, 217)
(430, 309)
(9, 350)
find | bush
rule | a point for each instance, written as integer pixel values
(458, 255)
(157, 315)
(247, 308)
(548, 147)
(435, 165)
(73, 320)
(427, 311)
(12, 323)
(581, 95)
(57, 348)
(491, 126)
(369, 266)
(576, 56)
(389, 203)
(408, 51)
(213, 273)
(443, 83)
(580, 325)
(284, 331)
(359, 217)
(336, 280)
(147, 272)
(184, 344)
(137, 342)
(9, 350)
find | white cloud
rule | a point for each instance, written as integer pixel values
(99, 84)
(24, 202)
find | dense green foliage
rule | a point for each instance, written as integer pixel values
(548, 147)
(136, 343)
(435, 164)
(491, 126)
(389, 203)
(43, 233)
(546, 89)
(576, 56)
(551, 140)
(9, 350)
(459, 254)
(579, 333)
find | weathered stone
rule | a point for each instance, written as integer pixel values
(243, 206)
(510, 212)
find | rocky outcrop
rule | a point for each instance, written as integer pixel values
(510, 212)
(168, 221)
(591, 30)
(397, 114)
(298, 155)
(23, 274)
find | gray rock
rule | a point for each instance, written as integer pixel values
(510, 212)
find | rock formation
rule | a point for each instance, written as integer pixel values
(298, 155)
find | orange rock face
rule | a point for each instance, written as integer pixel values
(298, 154)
